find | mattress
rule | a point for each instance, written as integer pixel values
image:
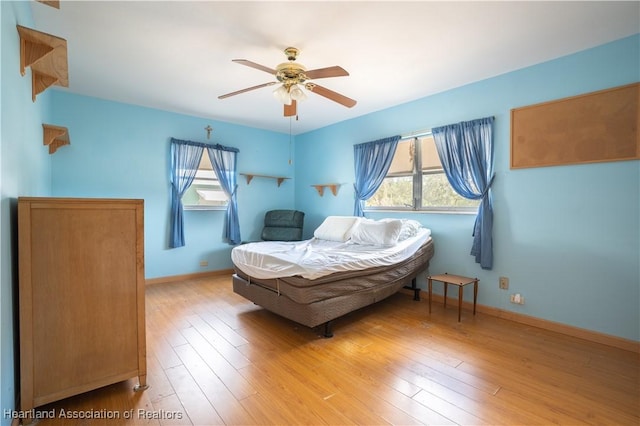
(316, 258)
(307, 291)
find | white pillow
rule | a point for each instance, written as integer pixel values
(379, 233)
(336, 228)
(409, 229)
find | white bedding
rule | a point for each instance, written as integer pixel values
(316, 258)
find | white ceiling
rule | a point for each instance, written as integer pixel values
(176, 55)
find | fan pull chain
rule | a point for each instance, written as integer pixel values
(290, 139)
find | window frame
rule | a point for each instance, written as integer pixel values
(417, 178)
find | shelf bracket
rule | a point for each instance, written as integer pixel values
(46, 55)
(54, 137)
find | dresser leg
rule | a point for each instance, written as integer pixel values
(142, 384)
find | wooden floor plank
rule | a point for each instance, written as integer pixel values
(159, 385)
(261, 407)
(226, 349)
(171, 412)
(304, 404)
(195, 403)
(222, 400)
(218, 364)
(223, 329)
(160, 347)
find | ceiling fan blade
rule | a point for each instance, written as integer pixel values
(254, 65)
(271, 83)
(326, 72)
(330, 94)
(290, 110)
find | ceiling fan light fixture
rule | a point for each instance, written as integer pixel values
(293, 77)
(282, 95)
(297, 93)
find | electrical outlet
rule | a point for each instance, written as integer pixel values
(504, 283)
(204, 263)
(517, 299)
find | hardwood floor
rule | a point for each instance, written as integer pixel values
(216, 358)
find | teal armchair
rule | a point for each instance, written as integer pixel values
(283, 225)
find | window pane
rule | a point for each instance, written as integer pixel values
(205, 189)
(402, 162)
(430, 158)
(437, 192)
(205, 162)
(394, 192)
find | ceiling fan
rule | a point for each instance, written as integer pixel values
(294, 76)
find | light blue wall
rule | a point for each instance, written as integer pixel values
(567, 237)
(25, 170)
(120, 150)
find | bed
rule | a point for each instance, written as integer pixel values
(350, 263)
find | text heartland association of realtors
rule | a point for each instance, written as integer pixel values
(93, 414)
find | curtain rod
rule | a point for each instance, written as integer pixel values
(426, 131)
(416, 134)
(204, 145)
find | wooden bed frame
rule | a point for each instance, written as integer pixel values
(389, 279)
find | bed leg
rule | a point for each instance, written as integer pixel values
(328, 332)
(415, 288)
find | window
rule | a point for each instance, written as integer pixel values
(205, 193)
(416, 181)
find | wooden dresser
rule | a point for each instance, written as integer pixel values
(81, 296)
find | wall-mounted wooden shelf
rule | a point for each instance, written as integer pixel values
(54, 137)
(250, 176)
(47, 56)
(332, 186)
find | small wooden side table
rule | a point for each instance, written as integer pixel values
(458, 280)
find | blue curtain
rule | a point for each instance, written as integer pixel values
(224, 162)
(372, 162)
(466, 152)
(185, 159)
